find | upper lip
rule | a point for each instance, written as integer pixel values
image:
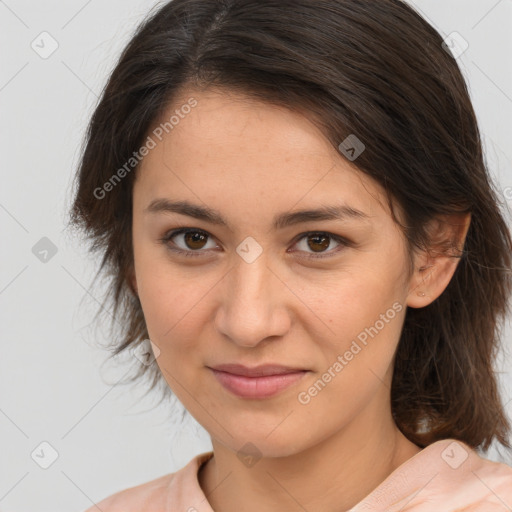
(256, 371)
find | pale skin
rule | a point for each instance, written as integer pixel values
(250, 162)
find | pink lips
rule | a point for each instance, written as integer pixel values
(259, 382)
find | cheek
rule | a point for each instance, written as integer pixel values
(357, 358)
(351, 301)
(163, 291)
(175, 311)
(364, 312)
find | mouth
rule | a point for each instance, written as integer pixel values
(259, 382)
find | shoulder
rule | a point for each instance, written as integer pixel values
(465, 480)
(487, 487)
(496, 476)
(169, 492)
(446, 476)
(139, 497)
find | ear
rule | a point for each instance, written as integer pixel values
(434, 268)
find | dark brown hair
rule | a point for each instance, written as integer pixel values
(374, 68)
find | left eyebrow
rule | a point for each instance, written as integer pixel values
(339, 212)
(281, 221)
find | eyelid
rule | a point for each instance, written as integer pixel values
(179, 231)
(344, 242)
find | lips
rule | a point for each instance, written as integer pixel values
(258, 382)
(257, 371)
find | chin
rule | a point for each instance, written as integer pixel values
(258, 443)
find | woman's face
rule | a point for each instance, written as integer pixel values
(253, 291)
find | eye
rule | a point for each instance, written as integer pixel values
(318, 241)
(193, 240)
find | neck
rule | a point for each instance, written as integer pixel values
(335, 474)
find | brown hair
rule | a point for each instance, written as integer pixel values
(372, 68)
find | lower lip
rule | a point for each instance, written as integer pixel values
(257, 387)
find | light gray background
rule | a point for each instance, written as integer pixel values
(54, 386)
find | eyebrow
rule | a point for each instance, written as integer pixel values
(283, 220)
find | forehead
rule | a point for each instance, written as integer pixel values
(229, 125)
(231, 145)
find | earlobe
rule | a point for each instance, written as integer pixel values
(422, 287)
(434, 268)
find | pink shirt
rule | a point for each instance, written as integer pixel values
(446, 476)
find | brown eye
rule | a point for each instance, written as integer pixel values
(195, 239)
(191, 242)
(188, 242)
(319, 242)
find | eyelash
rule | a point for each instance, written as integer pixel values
(171, 234)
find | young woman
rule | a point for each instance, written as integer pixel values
(292, 204)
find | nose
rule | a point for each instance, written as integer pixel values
(253, 303)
